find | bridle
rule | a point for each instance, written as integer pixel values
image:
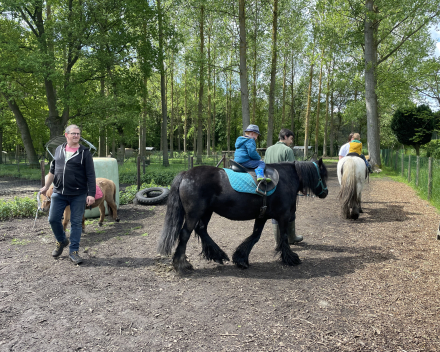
(320, 183)
(44, 201)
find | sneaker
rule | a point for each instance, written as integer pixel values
(75, 258)
(268, 179)
(260, 179)
(60, 247)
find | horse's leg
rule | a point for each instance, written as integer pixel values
(101, 212)
(241, 254)
(287, 256)
(180, 263)
(210, 249)
(112, 209)
(360, 205)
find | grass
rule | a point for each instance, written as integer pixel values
(421, 189)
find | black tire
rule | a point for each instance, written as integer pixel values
(152, 195)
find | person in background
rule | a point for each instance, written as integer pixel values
(277, 153)
(344, 149)
(72, 173)
(356, 150)
(246, 152)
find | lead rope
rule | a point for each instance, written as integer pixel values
(38, 209)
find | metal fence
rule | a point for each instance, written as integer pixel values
(421, 172)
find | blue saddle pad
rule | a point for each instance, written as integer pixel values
(243, 182)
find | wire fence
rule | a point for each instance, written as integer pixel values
(421, 172)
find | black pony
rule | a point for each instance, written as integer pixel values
(197, 193)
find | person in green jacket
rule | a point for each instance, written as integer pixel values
(278, 153)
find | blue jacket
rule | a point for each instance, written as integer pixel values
(245, 150)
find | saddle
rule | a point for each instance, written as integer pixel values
(262, 186)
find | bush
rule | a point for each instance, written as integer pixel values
(433, 149)
(18, 208)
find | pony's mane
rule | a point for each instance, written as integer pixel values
(308, 175)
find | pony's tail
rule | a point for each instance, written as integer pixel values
(348, 194)
(173, 218)
(110, 210)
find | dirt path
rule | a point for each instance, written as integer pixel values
(365, 285)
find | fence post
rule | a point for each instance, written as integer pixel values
(417, 171)
(409, 168)
(138, 173)
(395, 161)
(401, 162)
(189, 161)
(224, 160)
(43, 173)
(429, 178)
(192, 162)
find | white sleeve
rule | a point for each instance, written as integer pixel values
(344, 149)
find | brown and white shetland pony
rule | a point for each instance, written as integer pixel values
(352, 173)
(108, 189)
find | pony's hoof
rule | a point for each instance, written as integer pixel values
(361, 211)
(242, 264)
(117, 219)
(99, 224)
(355, 216)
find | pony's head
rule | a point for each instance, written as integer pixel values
(45, 199)
(313, 177)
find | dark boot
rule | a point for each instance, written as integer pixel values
(60, 247)
(292, 237)
(75, 258)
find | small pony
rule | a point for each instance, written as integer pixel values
(352, 173)
(108, 189)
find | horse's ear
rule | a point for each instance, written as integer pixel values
(320, 162)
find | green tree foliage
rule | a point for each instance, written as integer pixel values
(413, 125)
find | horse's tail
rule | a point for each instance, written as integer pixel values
(173, 218)
(110, 210)
(348, 194)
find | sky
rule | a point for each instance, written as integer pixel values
(435, 34)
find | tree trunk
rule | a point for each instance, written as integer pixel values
(208, 130)
(185, 115)
(327, 96)
(273, 72)
(101, 147)
(213, 119)
(172, 110)
(24, 131)
(283, 114)
(370, 32)
(332, 135)
(246, 120)
(165, 161)
(201, 83)
(309, 100)
(318, 105)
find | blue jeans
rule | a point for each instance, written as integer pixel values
(254, 164)
(59, 202)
